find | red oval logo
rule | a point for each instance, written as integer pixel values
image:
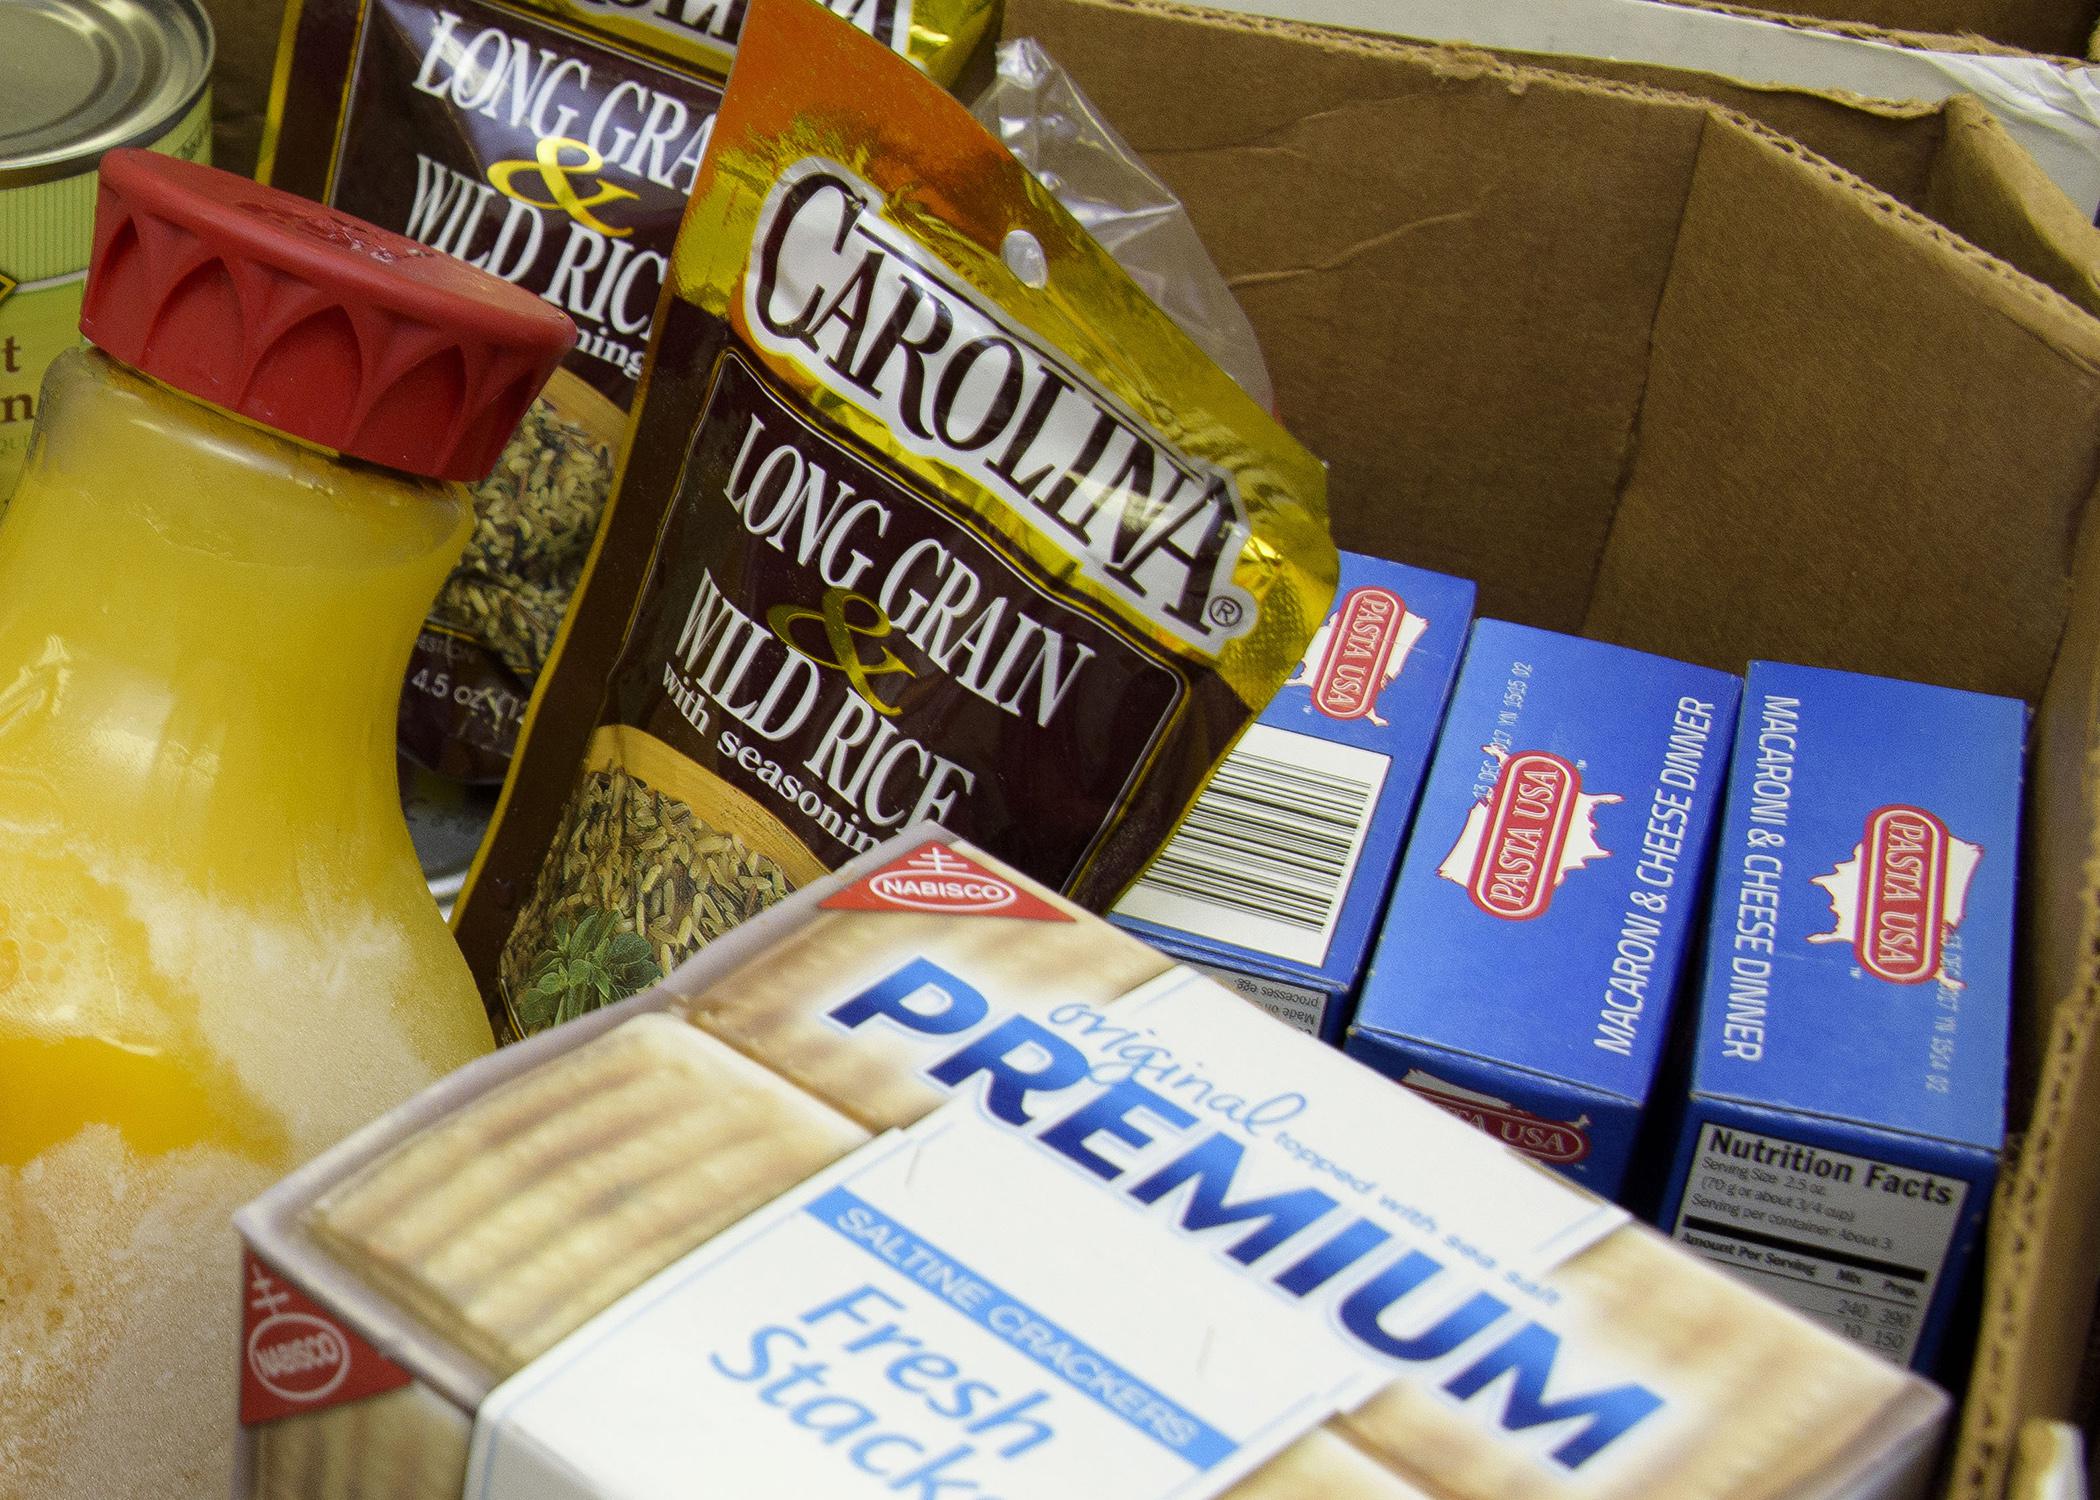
(1528, 818)
(926, 891)
(1359, 644)
(1542, 1139)
(1902, 894)
(298, 1357)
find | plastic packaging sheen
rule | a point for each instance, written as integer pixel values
(1040, 115)
(928, 511)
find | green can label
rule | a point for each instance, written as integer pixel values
(47, 231)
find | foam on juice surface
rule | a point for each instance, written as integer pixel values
(130, 1133)
(115, 1291)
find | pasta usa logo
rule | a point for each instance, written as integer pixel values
(1534, 828)
(1902, 892)
(1355, 655)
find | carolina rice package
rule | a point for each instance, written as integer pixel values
(553, 144)
(1549, 893)
(1848, 1075)
(1275, 882)
(929, 1184)
(928, 513)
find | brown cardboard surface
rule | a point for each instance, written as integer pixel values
(1952, 161)
(1825, 513)
(2044, 1233)
(2058, 28)
(1990, 192)
(2050, 105)
(1832, 432)
(1892, 143)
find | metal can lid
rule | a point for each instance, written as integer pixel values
(78, 77)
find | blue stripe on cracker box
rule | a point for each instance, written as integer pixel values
(1847, 1102)
(1542, 917)
(1274, 883)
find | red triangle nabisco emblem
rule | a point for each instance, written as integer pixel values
(936, 878)
(297, 1356)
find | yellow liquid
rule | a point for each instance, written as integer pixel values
(217, 953)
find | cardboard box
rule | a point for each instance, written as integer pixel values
(1847, 1103)
(2064, 28)
(1654, 375)
(1564, 302)
(1535, 942)
(1275, 883)
(2049, 105)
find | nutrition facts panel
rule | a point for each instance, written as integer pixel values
(1855, 1243)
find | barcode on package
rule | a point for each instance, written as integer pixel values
(1266, 855)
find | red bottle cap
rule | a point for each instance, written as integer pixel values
(312, 322)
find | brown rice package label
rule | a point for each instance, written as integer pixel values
(927, 1182)
(555, 144)
(927, 513)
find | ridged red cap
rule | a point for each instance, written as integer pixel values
(312, 322)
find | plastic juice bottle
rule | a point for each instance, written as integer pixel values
(217, 951)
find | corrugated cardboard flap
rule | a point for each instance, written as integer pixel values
(2060, 28)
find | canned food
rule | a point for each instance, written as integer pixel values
(83, 77)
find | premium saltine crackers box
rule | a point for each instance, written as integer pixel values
(1848, 1080)
(1274, 883)
(928, 1183)
(1541, 920)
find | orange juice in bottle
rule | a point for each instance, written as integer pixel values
(217, 952)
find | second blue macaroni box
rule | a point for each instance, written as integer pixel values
(1274, 882)
(1848, 1074)
(1538, 930)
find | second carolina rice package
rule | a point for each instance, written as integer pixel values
(928, 512)
(1549, 893)
(552, 143)
(1275, 881)
(1848, 1076)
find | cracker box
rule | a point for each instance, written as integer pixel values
(1848, 1080)
(1274, 883)
(927, 1183)
(1541, 921)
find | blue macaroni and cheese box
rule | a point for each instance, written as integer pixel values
(1848, 1079)
(1274, 882)
(1542, 915)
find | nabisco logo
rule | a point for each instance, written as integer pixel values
(297, 1357)
(1362, 647)
(938, 878)
(1558, 1143)
(1904, 889)
(1518, 844)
